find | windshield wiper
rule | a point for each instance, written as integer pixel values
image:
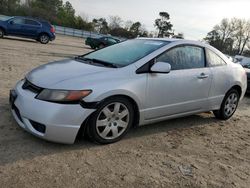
(105, 63)
(97, 61)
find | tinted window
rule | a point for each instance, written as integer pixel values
(31, 22)
(184, 57)
(127, 52)
(18, 21)
(112, 40)
(213, 59)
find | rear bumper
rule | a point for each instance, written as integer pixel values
(62, 121)
(53, 37)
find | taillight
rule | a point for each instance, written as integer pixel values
(52, 29)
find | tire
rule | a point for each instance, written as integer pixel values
(101, 46)
(44, 39)
(228, 106)
(111, 121)
(1, 33)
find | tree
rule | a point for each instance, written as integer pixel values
(115, 22)
(9, 7)
(83, 24)
(128, 24)
(100, 25)
(135, 29)
(179, 36)
(164, 25)
(121, 32)
(230, 36)
(241, 34)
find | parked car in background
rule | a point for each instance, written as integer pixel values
(142, 81)
(229, 57)
(101, 42)
(242, 60)
(27, 27)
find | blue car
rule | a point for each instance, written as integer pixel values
(26, 27)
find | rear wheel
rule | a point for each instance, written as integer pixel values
(228, 106)
(111, 121)
(44, 38)
(1, 33)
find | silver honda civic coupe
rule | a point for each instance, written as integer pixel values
(104, 93)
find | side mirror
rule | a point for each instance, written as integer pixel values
(11, 22)
(161, 67)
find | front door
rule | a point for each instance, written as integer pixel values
(184, 89)
(15, 26)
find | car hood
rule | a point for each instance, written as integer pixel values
(53, 73)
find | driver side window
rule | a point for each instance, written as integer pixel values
(184, 57)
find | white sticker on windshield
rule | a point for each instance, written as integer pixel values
(156, 43)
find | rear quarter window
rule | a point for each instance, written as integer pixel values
(214, 60)
(31, 22)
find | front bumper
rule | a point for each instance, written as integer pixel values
(62, 121)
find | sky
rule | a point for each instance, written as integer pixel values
(194, 18)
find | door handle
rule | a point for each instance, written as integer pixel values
(203, 76)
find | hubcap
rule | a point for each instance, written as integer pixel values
(44, 38)
(112, 121)
(1, 33)
(231, 104)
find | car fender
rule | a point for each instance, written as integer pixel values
(120, 92)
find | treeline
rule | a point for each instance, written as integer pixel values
(231, 36)
(63, 14)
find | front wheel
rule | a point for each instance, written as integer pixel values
(44, 38)
(111, 121)
(101, 46)
(228, 106)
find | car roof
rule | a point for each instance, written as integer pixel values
(180, 41)
(160, 39)
(32, 18)
(175, 40)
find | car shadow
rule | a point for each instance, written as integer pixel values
(178, 124)
(20, 39)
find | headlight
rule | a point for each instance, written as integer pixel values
(62, 96)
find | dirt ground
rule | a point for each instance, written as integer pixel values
(214, 153)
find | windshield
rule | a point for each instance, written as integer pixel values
(127, 52)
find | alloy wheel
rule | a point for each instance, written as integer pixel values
(231, 104)
(44, 39)
(112, 121)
